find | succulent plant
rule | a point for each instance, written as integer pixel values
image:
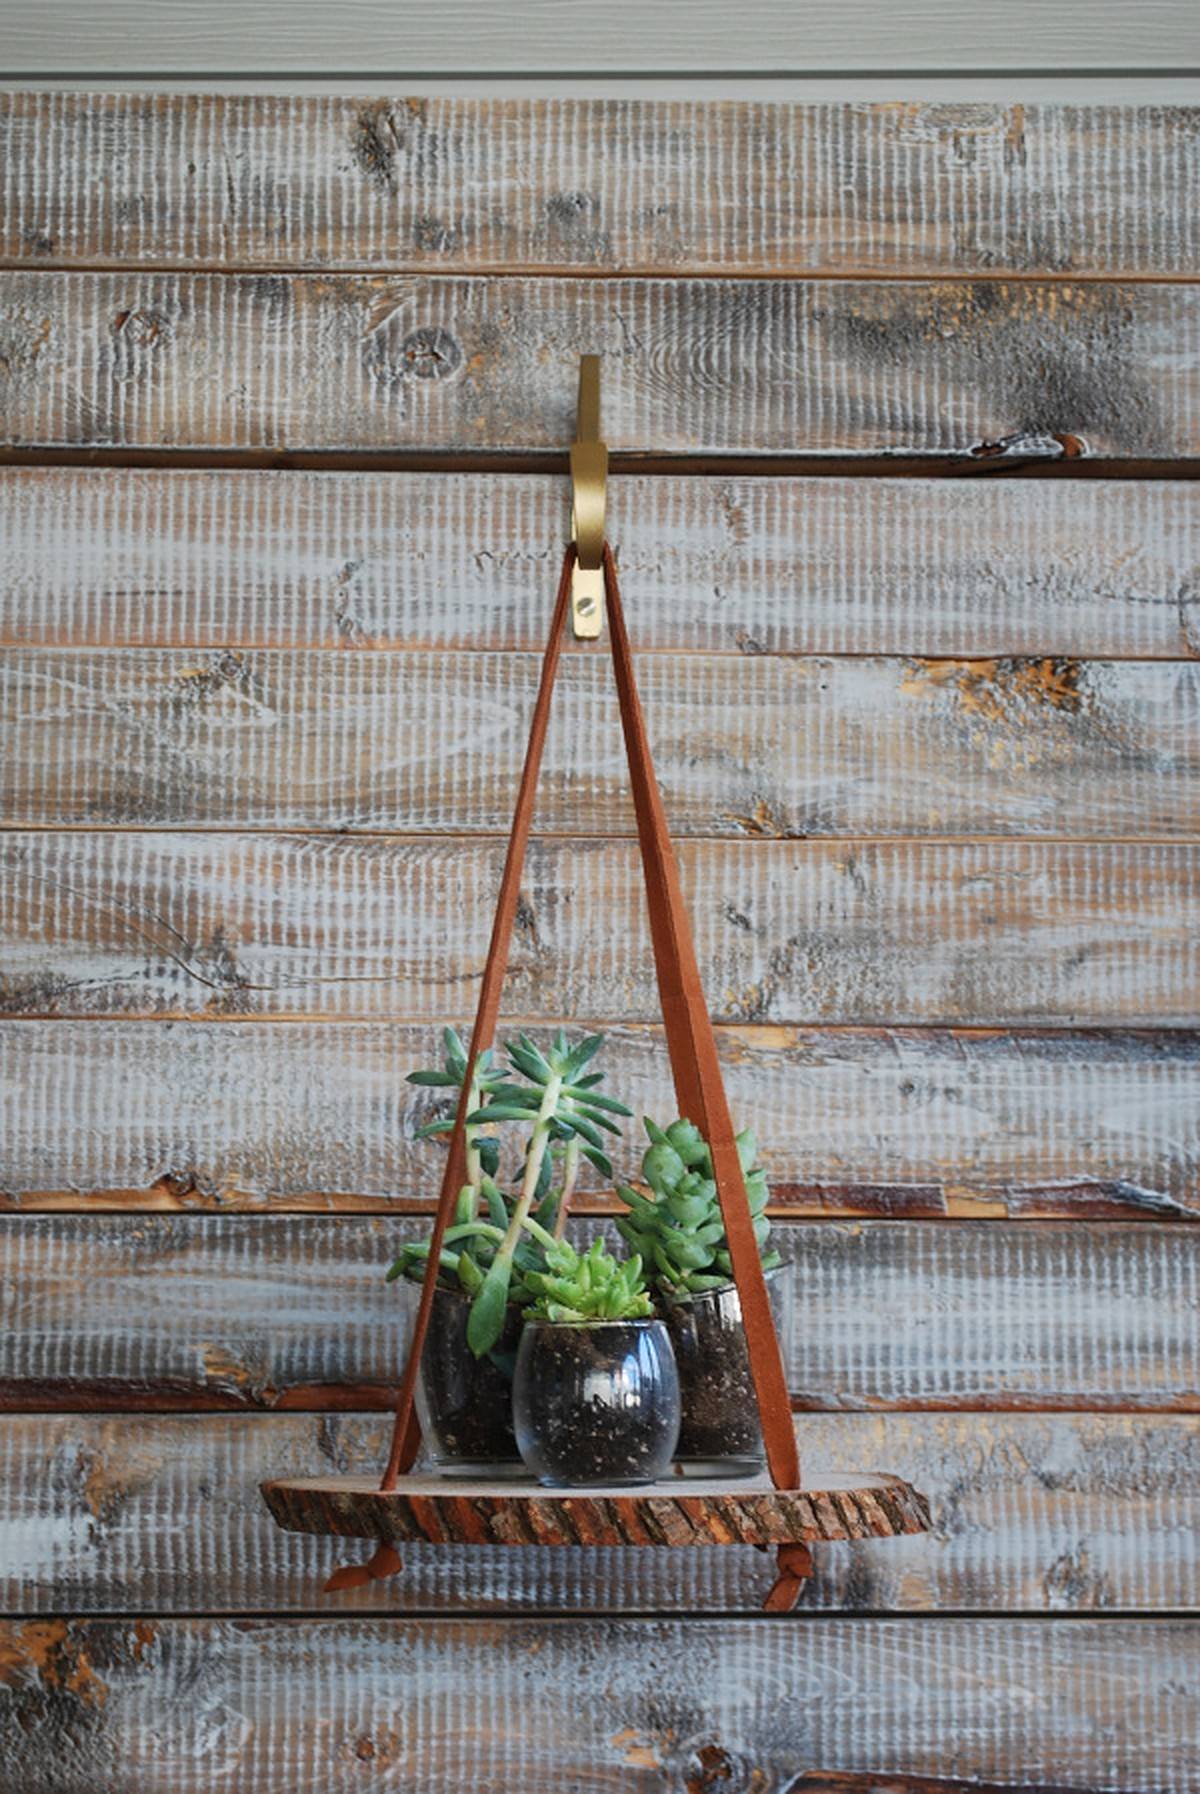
(593, 1286)
(468, 1249)
(562, 1104)
(493, 1234)
(676, 1226)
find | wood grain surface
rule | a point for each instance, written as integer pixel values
(891, 1122)
(931, 743)
(236, 181)
(435, 742)
(1032, 1513)
(996, 932)
(453, 365)
(101, 557)
(195, 1312)
(139, 1705)
(831, 1506)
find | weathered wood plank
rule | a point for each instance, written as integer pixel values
(443, 184)
(895, 1123)
(441, 364)
(890, 1122)
(292, 1311)
(436, 743)
(219, 559)
(162, 1514)
(129, 1706)
(993, 932)
(751, 566)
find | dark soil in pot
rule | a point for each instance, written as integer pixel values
(720, 1434)
(464, 1403)
(596, 1405)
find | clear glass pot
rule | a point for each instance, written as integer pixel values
(596, 1405)
(719, 1434)
(464, 1403)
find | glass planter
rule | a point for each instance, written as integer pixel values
(464, 1403)
(596, 1405)
(719, 1434)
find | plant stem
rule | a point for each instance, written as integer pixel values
(570, 1175)
(538, 1142)
(471, 1142)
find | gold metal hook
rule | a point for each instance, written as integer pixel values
(589, 480)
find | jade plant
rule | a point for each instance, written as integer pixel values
(591, 1286)
(495, 1239)
(675, 1224)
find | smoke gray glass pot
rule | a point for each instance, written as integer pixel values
(596, 1404)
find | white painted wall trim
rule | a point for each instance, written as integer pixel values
(386, 40)
(1068, 90)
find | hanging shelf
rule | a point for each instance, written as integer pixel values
(433, 1511)
(784, 1514)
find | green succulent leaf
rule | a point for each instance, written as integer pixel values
(485, 1323)
(546, 1212)
(688, 1210)
(600, 1160)
(581, 1056)
(662, 1166)
(518, 1096)
(489, 1156)
(688, 1142)
(526, 1057)
(496, 1205)
(469, 1274)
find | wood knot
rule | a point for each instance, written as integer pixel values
(711, 1769)
(427, 353)
(141, 328)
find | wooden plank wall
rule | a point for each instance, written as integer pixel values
(284, 387)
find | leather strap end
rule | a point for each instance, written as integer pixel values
(795, 1567)
(384, 1562)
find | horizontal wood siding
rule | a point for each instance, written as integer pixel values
(141, 558)
(576, 185)
(268, 1311)
(1032, 1513)
(435, 742)
(930, 744)
(796, 932)
(893, 1122)
(439, 364)
(436, 1706)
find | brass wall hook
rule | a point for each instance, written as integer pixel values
(589, 483)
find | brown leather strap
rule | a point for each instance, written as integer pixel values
(692, 1046)
(406, 1435)
(690, 1043)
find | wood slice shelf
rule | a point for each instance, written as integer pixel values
(436, 1510)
